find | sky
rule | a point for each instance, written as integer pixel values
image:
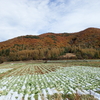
(35, 17)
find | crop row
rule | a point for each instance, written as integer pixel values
(24, 69)
(5, 70)
(12, 65)
(64, 80)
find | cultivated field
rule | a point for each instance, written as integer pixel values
(71, 80)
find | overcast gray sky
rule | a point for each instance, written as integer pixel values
(34, 17)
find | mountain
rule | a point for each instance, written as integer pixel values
(85, 44)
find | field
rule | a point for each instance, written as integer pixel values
(55, 80)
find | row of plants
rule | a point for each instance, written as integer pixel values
(5, 70)
(60, 83)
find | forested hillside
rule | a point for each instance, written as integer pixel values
(84, 44)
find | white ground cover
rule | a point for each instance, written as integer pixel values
(68, 80)
(5, 70)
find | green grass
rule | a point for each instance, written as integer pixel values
(92, 64)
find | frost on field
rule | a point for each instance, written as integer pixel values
(66, 80)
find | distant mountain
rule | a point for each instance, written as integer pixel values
(85, 44)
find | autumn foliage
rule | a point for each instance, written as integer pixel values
(84, 44)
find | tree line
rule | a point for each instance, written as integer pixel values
(18, 54)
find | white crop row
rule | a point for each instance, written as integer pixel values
(67, 80)
(5, 70)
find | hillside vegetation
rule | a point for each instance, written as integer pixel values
(84, 44)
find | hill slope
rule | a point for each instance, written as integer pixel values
(85, 44)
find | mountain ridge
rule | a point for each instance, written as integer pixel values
(51, 33)
(50, 43)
